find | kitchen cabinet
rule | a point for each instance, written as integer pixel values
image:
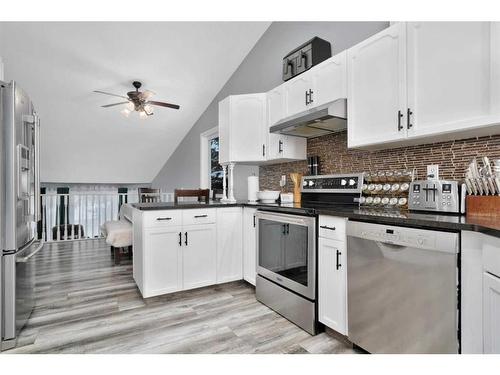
(332, 273)
(376, 88)
(281, 147)
(329, 79)
(162, 261)
(332, 284)
(452, 83)
(297, 93)
(424, 81)
(229, 244)
(243, 128)
(249, 245)
(491, 311)
(199, 256)
(480, 293)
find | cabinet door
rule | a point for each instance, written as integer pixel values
(229, 244)
(295, 94)
(248, 128)
(376, 88)
(163, 261)
(330, 80)
(332, 284)
(199, 255)
(285, 147)
(491, 313)
(452, 78)
(249, 245)
(275, 105)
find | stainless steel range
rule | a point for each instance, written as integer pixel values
(287, 251)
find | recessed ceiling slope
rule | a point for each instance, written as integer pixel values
(60, 64)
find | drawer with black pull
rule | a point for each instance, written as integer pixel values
(156, 219)
(198, 216)
(332, 227)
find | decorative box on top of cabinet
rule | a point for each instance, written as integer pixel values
(420, 81)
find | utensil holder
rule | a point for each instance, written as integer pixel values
(486, 205)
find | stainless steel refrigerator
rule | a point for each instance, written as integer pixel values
(19, 208)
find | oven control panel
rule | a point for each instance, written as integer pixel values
(434, 195)
(341, 183)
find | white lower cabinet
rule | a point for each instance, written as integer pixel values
(249, 245)
(162, 256)
(229, 244)
(199, 256)
(332, 284)
(491, 313)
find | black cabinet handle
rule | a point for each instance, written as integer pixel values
(400, 127)
(254, 221)
(338, 259)
(199, 216)
(263, 150)
(408, 118)
(311, 92)
(186, 241)
(180, 238)
(280, 146)
(307, 98)
(163, 218)
(327, 227)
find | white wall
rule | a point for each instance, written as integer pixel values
(259, 72)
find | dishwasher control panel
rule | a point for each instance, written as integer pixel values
(434, 195)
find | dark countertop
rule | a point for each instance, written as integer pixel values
(486, 225)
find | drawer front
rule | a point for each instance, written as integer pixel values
(332, 227)
(161, 219)
(198, 216)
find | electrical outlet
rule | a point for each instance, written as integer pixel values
(433, 172)
(283, 180)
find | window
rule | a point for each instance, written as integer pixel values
(211, 171)
(216, 172)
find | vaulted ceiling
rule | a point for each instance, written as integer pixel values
(60, 64)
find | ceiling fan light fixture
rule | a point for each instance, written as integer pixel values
(126, 112)
(131, 106)
(143, 115)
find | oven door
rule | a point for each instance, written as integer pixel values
(286, 251)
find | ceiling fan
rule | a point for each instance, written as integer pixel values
(138, 101)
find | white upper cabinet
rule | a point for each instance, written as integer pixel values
(243, 128)
(276, 105)
(376, 88)
(329, 79)
(452, 83)
(424, 81)
(297, 92)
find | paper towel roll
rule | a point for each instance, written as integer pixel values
(253, 188)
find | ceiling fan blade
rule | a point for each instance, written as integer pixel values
(107, 93)
(145, 95)
(112, 105)
(162, 104)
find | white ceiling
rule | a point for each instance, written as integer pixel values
(60, 64)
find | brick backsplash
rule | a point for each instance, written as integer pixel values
(452, 158)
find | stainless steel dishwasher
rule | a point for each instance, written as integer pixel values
(402, 289)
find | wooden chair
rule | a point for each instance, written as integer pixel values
(148, 195)
(202, 194)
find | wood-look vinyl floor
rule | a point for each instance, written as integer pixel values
(86, 304)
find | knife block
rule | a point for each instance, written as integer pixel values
(297, 181)
(478, 205)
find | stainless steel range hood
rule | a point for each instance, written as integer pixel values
(322, 120)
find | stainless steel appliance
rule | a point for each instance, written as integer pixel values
(19, 207)
(402, 289)
(286, 241)
(325, 119)
(435, 195)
